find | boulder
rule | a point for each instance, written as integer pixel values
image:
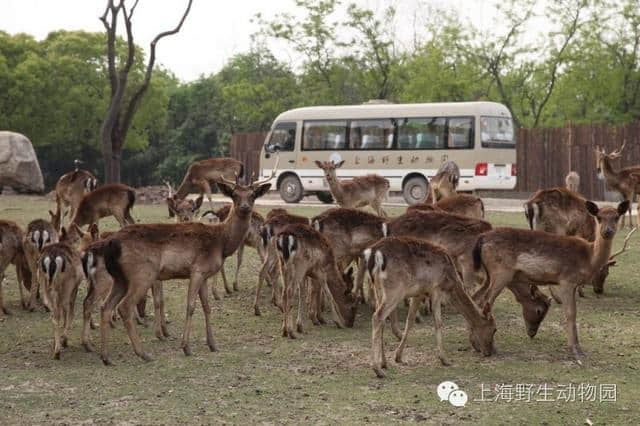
(19, 167)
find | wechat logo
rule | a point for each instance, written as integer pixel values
(449, 391)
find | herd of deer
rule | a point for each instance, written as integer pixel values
(439, 250)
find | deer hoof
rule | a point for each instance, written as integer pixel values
(399, 359)
(146, 357)
(321, 319)
(256, 311)
(87, 346)
(444, 361)
(65, 342)
(106, 360)
(299, 328)
(213, 348)
(56, 356)
(165, 332)
(92, 325)
(379, 373)
(235, 286)
(6, 311)
(292, 335)
(160, 336)
(186, 350)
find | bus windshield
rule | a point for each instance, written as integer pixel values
(497, 132)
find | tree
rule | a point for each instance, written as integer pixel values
(121, 110)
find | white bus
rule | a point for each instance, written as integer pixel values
(405, 143)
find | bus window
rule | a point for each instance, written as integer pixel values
(319, 135)
(421, 133)
(371, 134)
(283, 137)
(460, 133)
(496, 132)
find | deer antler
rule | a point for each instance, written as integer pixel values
(77, 163)
(624, 245)
(170, 188)
(273, 173)
(617, 152)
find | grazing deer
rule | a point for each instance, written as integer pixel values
(109, 200)
(626, 181)
(60, 270)
(201, 174)
(39, 234)
(461, 204)
(572, 181)
(183, 210)
(138, 256)
(277, 220)
(360, 191)
(70, 189)
(515, 255)
(304, 252)
(11, 252)
(458, 235)
(403, 267)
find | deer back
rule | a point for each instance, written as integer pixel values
(103, 202)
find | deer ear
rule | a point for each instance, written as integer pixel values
(592, 208)
(63, 233)
(532, 292)
(94, 231)
(225, 189)
(623, 207)
(198, 203)
(319, 164)
(262, 189)
(338, 165)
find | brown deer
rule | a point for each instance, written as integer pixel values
(39, 234)
(277, 220)
(370, 190)
(461, 204)
(445, 183)
(11, 252)
(201, 174)
(305, 253)
(572, 181)
(183, 210)
(403, 267)
(70, 189)
(458, 235)
(109, 200)
(60, 270)
(138, 256)
(517, 255)
(626, 181)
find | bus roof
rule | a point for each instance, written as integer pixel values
(390, 110)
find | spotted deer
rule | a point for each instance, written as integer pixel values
(202, 174)
(517, 255)
(40, 233)
(370, 190)
(626, 180)
(183, 210)
(461, 204)
(572, 181)
(70, 189)
(138, 256)
(404, 267)
(305, 253)
(11, 253)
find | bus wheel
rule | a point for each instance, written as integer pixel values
(415, 190)
(325, 197)
(291, 189)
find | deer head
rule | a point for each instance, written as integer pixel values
(481, 335)
(601, 156)
(329, 169)
(607, 217)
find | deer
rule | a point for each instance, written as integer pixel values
(404, 267)
(277, 220)
(445, 182)
(304, 253)
(458, 235)
(69, 190)
(360, 191)
(11, 252)
(109, 200)
(40, 233)
(138, 256)
(572, 181)
(201, 174)
(626, 181)
(514, 255)
(461, 204)
(60, 270)
(183, 210)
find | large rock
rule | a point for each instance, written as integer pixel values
(19, 166)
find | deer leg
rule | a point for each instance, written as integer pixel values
(393, 320)
(302, 289)
(160, 327)
(87, 308)
(140, 311)
(126, 309)
(357, 291)
(227, 288)
(57, 330)
(206, 188)
(127, 216)
(411, 316)
(120, 219)
(261, 278)
(238, 264)
(556, 298)
(2, 307)
(70, 305)
(568, 295)
(20, 279)
(214, 283)
(385, 308)
(436, 306)
(206, 308)
(118, 291)
(35, 287)
(194, 289)
(315, 293)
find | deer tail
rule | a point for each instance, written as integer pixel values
(112, 253)
(477, 253)
(532, 213)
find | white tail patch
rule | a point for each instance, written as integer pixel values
(379, 266)
(59, 264)
(367, 254)
(91, 267)
(536, 214)
(292, 245)
(385, 230)
(316, 225)
(45, 237)
(35, 236)
(46, 263)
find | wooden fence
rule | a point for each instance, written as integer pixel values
(544, 156)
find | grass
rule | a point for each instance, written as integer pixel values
(323, 377)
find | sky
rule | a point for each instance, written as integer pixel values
(214, 31)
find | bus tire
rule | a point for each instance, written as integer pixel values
(325, 197)
(291, 189)
(415, 190)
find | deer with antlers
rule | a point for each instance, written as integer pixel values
(11, 252)
(461, 204)
(138, 256)
(70, 189)
(183, 210)
(202, 174)
(370, 190)
(511, 255)
(403, 267)
(626, 180)
(305, 253)
(40, 233)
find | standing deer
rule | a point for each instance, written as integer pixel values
(360, 191)
(572, 181)
(201, 174)
(138, 256)
(462, 204)
(304, 252)
(70, 189)
(11, 252)
(403, 267)
(183, 210)
(513, 255)
(626, 181)
(39, 234)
